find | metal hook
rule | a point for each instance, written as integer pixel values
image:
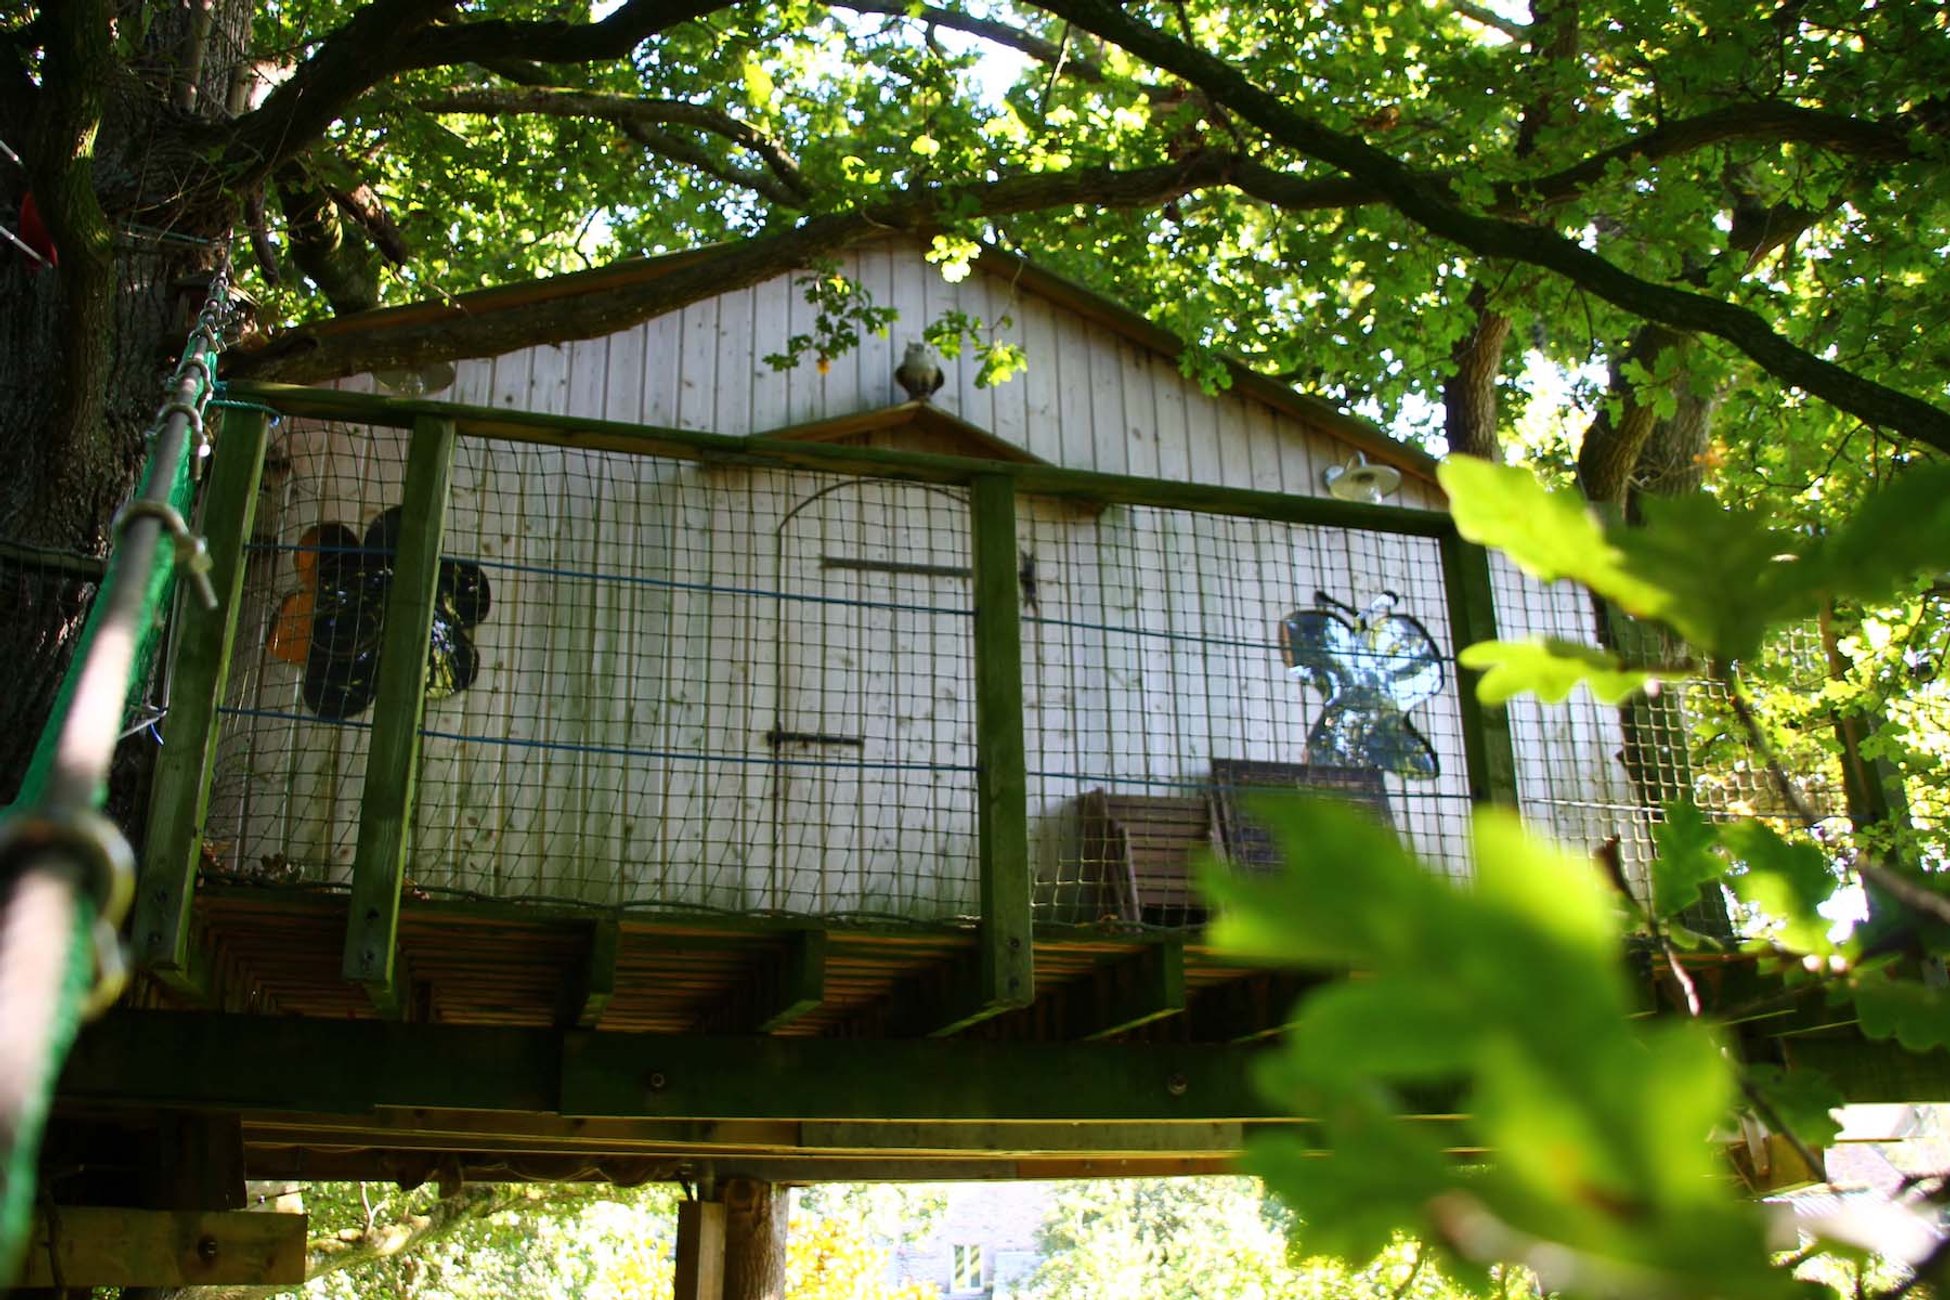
(191, 552)
(111, 970)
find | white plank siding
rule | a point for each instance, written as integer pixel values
(654, 624)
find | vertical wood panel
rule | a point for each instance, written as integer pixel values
(1007, 963)
(204, 638)
(380, 867)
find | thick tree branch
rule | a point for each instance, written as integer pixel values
(333, 255)
(689, 153)
(364, 207)
(629, 111)
(389, 36)
(1469, 398)
(413, 1233)
(1490, 18)
(348, 63)
(1075, 62)
(1757, 123)
(1765, 122)
(1430, 202)
(552, 41)
(416, 336)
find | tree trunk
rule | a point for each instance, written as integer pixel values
(83, 348)
(1624, 460)
(754, 1240)
(1469, 401)
(1621, 430)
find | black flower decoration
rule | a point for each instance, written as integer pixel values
(336, 622)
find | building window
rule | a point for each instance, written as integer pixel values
(966, 1272)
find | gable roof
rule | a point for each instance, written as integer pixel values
(1360, 434)
(950, 430)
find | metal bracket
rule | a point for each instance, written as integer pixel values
(193, 412)
(191, 552)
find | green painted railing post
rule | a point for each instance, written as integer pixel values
(1007, 969)
(392, 760)
(180, 795)
(1488, 750)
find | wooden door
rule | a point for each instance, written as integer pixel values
(874, 746)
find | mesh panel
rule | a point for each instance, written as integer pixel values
(670, 685)
(289, 775)
(1156, 683)
(1588, 772)
(681, 687)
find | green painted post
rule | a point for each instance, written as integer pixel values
(392, 760)
(1488, 750)
(180, 796)
(1006, 971)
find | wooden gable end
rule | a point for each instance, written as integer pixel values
(1102, 389)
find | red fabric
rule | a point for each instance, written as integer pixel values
(33, 233)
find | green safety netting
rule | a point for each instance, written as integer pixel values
(173, 483)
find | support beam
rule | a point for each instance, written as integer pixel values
(594, 983)
(1136, 990)
(732, 1141)
(1488, 750)
(350, 1067)
(180, 797)
(1006, 973)
(700, 1250)
(1248, 1010)
(392, 758)
(1084, 486)
(100, 1246)
(797, 985)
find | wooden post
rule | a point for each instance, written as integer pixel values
(1488, 752)
(700, 1250)
(1006, 974)
(754, 1240)
(392, 761)
(180, 798)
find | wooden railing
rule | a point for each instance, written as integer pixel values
(1003, 975)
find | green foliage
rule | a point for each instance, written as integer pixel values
(1509, 999)
(1550, 668)
(1686, 863)
(1000, 360)
(491, 1240)
(1720, 577)
(845, 311)
(1206, 1239)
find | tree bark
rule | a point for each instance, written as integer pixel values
(754, 1240)
(1619, 433)
(82, 348)
(1469, 399)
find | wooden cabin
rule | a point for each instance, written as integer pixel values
(658, 763)
(734, 688)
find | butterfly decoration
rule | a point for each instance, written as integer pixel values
(335, 622)
(1371, 667)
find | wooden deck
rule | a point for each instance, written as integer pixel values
(277, 952)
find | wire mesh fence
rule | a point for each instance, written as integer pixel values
(665, 684)
(1163, 688)
(653, 683)
(1592, 774)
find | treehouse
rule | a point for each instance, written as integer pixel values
(634, 756)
